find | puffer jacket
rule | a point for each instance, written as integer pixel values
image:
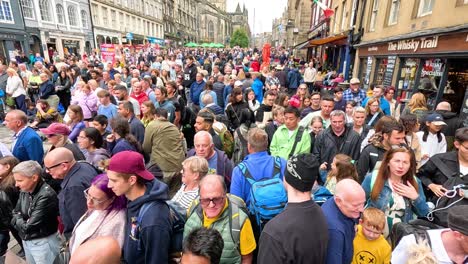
(35, 215)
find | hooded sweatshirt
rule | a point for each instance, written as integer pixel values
(96, 156)
(155, 228)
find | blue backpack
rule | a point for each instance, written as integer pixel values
(267, 196)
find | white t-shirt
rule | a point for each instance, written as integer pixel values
(400, 253)
(432, 145)
(463, 170)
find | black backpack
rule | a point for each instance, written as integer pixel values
(399, 230)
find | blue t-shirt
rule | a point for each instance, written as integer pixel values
(213, 162)
(110, 111)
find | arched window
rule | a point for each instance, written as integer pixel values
(84, 19)
(44, 8)
(210, 31)
(72, 15)
(60, 14)
(28, 8)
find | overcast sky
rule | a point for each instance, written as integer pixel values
(265, 11)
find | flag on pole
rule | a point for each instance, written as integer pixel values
(326, 11)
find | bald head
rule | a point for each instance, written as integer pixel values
(348, 186)
(58, 162)
(444, 106)
(350, 198)
(213, 182)
(60, 154)
(18, 115)
(105, 250)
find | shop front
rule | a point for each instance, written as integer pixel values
(436, 65)
(11, 45)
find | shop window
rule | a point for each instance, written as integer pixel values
(72, 16)
(407, 78)
(381, 69)
(373, 16)
(60, 14)
(84, 19)
(393, 15)
(28, 8)
(6, 15)
(425, 7)
(44, 9)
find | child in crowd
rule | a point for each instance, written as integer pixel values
(431, 139)
(369, 244)
(342, 167)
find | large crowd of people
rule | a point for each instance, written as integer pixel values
(225, 156)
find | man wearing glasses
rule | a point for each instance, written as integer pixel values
(76, 177)
(227, 214)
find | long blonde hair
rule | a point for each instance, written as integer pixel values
(417, 101)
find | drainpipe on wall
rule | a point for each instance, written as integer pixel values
(92, 25)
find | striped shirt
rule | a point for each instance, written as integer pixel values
(185, 198)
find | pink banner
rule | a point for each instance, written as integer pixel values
(108, 52)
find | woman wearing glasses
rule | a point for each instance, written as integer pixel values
(105, 215)
(395, 190)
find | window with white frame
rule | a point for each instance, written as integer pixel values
(394, 9)
(6, 15)
(28, 8)
(84, 19)
(344, 15)
(72, 19)
(352, 20)
(44, 9)
(60, 14)
(95, 13)
(373, 19)
(425, 7)
(114, 18)
(122, 21)
(104, 16)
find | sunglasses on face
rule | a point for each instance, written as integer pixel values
(215, 200)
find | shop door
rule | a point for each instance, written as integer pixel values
(457, 85)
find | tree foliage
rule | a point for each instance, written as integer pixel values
(239, 38)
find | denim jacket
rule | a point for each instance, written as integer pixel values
(418, 206)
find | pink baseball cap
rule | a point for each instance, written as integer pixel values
(56, 129)
(130, 162)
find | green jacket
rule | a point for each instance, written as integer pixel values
(164, 145)
(229, 225)
(281, 144)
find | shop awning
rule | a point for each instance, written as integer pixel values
(303, 45)
(327, 40)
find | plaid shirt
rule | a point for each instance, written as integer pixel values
(357, 97)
